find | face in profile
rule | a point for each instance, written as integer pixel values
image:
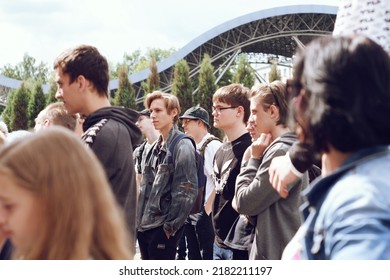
(161, 119)
(20, 214)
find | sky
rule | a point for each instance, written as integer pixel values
(44, 28)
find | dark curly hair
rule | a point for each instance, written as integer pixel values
(345, 93)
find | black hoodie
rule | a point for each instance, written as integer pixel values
(111, 133)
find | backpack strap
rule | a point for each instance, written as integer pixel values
(173, 145)
(208, 140)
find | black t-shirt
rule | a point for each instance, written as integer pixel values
(227, 163)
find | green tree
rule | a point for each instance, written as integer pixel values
(153, 81)
(124, 96)
(182, 85)
(206, 89)
(51, 97)
(27, 70)
(19, 116)
(274, 73)
(8, 111)
(37, 103)
(244, 73)
(136, 61)
(206, 85)
(226, 79)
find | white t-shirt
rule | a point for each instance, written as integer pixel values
(209, 154)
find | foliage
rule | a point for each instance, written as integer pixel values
(274, 73)
(36, 104)
(27, 70)
(244, 73)
(206, 89)
(206, 85)
(19, 115)
(51, 97)
(181, 84)
(124, 96)
(226, 79)
(8, 111)
(136, 62)
(153, 81)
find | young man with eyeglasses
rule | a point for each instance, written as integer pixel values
(230, 111)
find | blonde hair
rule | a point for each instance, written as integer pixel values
(170, 101)
(81, 217)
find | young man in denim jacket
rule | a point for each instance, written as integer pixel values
(168, 191)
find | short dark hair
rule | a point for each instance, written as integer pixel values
(86, 61)
(235, 95)
(346, 93)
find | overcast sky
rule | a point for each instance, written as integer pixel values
(44, 28)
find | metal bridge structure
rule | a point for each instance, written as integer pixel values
(278, 31)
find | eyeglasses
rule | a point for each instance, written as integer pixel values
(220, 109)
(186, 121)
(293, 88)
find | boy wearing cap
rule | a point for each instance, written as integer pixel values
(144, 123)
(198, 228)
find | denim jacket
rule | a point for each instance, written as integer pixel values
(168, 192)
(347, 215)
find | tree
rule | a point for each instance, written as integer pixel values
(226, 79)
(8, 111)
(27, 70)
(181, 85)
(51, 97)
(19, 116)
(244, 73)
(206, 85)
(37, 103)
(153, 81)
(274, 73)
(136, 62)
(124, 96)
(206, 89)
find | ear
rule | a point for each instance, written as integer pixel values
(46, 122)
(274, 112)
(82, 82)
(174, 112)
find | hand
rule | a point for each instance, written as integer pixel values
(280, 174)
(260, 144)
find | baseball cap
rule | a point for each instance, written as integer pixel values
(145, 112)
(197, 113)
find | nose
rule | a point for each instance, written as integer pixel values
(58, 94)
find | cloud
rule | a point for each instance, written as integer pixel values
(44, 28)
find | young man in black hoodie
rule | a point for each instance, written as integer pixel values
(82, 77)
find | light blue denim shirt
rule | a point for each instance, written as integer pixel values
(354, 219)
(168, 192)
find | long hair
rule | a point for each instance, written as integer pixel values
(344, 101)
(81, 218)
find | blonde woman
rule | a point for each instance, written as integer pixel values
(56, 202)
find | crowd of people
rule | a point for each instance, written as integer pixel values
(83, 186)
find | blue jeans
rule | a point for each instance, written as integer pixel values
(222, 253)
